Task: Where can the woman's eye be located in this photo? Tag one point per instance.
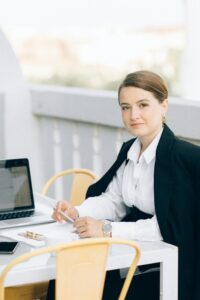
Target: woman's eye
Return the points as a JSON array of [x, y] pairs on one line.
[[143, 105], [125, 107]]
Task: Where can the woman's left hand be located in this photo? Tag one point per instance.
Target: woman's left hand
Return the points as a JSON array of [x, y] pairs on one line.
[[88, 227]]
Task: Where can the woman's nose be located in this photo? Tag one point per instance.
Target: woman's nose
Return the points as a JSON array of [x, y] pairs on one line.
[[134, 114]]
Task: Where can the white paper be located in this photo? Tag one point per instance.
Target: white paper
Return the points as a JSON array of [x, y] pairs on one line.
[[62, 231]]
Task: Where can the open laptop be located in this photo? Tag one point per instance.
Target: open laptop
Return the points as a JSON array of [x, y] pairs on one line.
[[17, 207]]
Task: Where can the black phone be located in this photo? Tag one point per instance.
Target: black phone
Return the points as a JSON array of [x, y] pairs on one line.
[[8, 247]]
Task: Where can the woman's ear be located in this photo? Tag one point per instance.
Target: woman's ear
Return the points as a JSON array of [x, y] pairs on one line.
[[165, 105]]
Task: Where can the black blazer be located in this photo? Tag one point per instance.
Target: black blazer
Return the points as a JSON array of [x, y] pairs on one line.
[[177, 203]]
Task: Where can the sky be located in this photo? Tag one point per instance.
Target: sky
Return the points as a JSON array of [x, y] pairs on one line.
[[44, 14]]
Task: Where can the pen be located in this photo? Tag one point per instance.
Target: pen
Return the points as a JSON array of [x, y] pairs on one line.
[[64, 215]]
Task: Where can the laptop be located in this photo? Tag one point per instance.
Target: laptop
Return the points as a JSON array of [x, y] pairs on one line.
[[17, 206]]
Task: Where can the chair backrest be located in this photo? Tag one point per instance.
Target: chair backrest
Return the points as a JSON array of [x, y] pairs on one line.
[[82, 179], [80, 268]]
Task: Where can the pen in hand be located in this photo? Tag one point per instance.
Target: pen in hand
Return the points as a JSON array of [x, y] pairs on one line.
[[66, 217]]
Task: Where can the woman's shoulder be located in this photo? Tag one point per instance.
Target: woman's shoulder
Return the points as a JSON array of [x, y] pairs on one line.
[[187, 152], [183, 145], [179, 145], [126, 145]]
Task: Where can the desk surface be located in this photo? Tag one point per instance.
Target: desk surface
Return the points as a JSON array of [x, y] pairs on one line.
[[43, 268]]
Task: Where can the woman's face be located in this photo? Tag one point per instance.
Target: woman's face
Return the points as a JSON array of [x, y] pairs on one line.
[[142, 113]]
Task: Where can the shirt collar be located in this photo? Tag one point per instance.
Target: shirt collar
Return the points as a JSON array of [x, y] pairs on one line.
[[148, 155]]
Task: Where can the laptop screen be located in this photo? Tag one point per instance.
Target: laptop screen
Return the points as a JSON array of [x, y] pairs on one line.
[[15, 185]]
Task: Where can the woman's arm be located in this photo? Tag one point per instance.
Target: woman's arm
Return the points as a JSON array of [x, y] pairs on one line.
[[142, 230], [108, 205]]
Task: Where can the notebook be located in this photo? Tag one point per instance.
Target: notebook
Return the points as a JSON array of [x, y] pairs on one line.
[[17, 206]]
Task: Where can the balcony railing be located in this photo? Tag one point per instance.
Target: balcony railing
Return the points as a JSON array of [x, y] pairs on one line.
[[83, 128]]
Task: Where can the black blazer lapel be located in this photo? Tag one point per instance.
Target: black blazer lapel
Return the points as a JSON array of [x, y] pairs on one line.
[[100, 186], [163, 180]]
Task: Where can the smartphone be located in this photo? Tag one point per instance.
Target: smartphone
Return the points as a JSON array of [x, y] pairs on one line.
[[8, 247]]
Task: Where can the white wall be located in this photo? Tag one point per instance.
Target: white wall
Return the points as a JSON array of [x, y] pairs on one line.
[[20, 127], [191, 60]]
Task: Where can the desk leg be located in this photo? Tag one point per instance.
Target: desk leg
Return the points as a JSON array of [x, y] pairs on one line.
[[169, 277]]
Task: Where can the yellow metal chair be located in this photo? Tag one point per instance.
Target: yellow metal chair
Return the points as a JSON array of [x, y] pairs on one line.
[[82, 179], [80, 268]]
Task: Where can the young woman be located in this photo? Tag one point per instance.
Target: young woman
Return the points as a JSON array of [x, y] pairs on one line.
[[151, 192]]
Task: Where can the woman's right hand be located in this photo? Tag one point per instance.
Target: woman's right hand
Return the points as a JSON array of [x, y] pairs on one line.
[[66, 208]]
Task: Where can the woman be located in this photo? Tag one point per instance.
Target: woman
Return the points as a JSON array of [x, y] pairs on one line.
[[153, 185]]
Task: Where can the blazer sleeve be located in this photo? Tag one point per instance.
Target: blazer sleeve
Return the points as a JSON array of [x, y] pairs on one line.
[[197, 228]]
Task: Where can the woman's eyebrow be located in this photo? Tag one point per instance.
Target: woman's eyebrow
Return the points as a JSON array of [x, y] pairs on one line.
[[124, 103], [127, 103], [141, 100]]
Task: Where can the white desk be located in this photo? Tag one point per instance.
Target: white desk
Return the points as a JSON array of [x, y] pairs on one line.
[[43, 269]]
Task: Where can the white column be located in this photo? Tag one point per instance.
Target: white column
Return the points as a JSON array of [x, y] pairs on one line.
[[191, 58], [20, 127]]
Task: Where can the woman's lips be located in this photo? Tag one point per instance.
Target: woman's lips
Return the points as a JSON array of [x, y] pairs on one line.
[[136, 124]]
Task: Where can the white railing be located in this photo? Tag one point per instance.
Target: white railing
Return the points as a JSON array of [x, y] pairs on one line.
[[83, 128], [78, 128]]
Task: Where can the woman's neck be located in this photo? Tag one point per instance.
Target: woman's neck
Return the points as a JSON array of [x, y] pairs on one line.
[[146, 141]]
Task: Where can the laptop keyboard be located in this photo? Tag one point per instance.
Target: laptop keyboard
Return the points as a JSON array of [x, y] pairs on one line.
[[15, 215]]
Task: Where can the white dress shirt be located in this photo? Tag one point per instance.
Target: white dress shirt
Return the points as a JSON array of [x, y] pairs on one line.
[[132, 185]]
